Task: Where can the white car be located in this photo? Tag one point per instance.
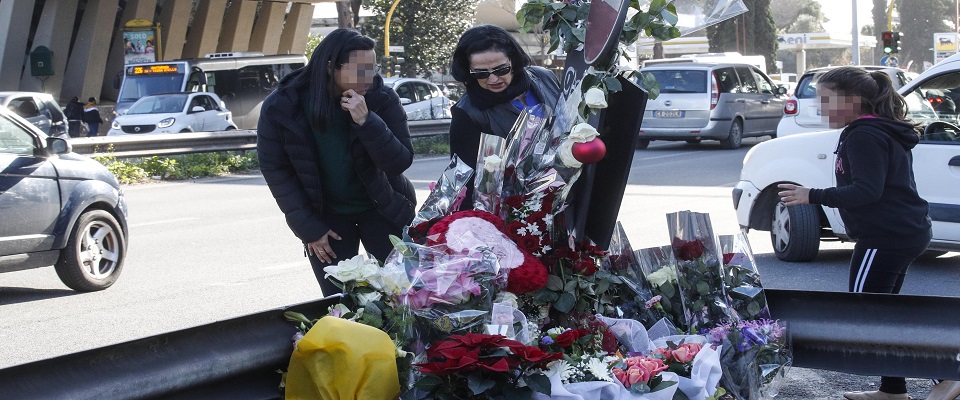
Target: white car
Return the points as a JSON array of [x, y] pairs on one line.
[[801, 112], [421, 99], [174, 113], [808, 160]]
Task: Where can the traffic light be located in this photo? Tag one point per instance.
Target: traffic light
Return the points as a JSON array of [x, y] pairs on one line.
[[895, 43], [887, 38]]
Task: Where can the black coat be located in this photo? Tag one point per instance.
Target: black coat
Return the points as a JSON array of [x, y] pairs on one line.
[[380, 148]]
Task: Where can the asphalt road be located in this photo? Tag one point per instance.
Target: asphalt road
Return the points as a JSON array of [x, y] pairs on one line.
[[213, 249]]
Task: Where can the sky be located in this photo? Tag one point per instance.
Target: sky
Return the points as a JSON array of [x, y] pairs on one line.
[[840, 13]]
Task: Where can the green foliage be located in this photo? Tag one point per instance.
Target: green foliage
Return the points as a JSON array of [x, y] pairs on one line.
[[186, 166], [428, 30], [313, 40], [431, 145], [917, 26], [756, 28]]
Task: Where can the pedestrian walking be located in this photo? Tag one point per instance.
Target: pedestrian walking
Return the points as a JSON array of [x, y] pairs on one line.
[[74, 113], [91, 115], [875, 193], [500, 83], [333, 144]]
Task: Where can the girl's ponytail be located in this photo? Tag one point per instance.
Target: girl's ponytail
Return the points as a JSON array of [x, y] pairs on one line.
[[887, 103]]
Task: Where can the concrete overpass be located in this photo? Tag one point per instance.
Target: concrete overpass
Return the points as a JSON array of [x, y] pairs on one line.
[[85, 36]]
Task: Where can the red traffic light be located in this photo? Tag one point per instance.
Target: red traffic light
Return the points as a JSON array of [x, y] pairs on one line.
[[886, 35]]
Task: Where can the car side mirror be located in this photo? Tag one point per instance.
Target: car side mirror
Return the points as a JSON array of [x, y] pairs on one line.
[[404, 101], [197, 109], [57, 145], [781, 90]]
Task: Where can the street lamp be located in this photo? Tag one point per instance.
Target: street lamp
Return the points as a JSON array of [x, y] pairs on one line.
[[386, 32]]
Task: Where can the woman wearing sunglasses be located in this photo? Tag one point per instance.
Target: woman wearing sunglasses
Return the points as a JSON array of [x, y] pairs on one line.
[[500, 83], [333, 144]]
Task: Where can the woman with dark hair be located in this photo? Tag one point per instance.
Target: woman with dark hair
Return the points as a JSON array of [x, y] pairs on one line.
[[500, 83], [876, 193], [333, 145]]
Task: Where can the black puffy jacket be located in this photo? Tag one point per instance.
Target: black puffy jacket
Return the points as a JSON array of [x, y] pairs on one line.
[[381, 152]]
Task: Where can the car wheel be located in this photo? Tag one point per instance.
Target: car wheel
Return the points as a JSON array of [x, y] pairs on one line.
[[94, 254], [230, 128], [736, 135], [795, 232], [184, 131], [694, 141], [643, 143]]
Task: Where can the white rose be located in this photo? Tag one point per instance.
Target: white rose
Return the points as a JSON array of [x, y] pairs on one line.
[[492, 163], [595, 98], [365, 298], [356, 269], [565, 152], [582, 133], [395, 280], [661, 276]]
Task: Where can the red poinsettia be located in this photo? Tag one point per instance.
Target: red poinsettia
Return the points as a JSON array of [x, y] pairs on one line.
[[473, 351]]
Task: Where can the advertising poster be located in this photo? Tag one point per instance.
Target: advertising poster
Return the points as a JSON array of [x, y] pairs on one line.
[[139, 46], [944, 45]]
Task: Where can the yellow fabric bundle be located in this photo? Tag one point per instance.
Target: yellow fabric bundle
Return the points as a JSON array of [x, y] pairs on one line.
[[343, 360]]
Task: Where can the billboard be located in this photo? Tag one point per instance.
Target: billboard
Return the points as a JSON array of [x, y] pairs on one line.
[[944, 45], [139, 46]]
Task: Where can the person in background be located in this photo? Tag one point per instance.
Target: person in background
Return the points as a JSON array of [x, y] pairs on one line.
[[91, 116], [74, 113], [875, 193], [500, 83], [333, 144]]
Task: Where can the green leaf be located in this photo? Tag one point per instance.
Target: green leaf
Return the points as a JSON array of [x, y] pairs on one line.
[[554, 283], [663, 385], [612, 84], [428, 382], [703, 287], [570, 286], [569, 14], [478, 384], [517, 393], [580, 33], [565, 303], [602, 286], [296, 317], [657, 4], [538, 382]]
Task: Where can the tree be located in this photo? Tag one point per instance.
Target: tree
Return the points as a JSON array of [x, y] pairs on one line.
[[918, 24], [880, 22], [755, 32], [428, 30]]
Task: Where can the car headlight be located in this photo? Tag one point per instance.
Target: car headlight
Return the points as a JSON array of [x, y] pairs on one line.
[[115, 125], [166, 122]]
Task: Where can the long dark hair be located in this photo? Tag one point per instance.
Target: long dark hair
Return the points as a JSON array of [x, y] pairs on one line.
[[482, 38], [878, 97], [317, 77]]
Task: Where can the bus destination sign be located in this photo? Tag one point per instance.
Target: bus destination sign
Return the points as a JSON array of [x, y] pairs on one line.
[[153, 69]]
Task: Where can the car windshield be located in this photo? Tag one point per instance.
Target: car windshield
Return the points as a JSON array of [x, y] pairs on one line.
[[159, 104], [680, 81]]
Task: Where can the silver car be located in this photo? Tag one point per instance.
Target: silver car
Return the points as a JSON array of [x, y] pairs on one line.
[[40, 109], [722, 101], [421, 99]]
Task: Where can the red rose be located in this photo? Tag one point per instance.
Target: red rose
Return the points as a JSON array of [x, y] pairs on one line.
[[727, 257], [514, 202], [530, 243], [567, 338], [586, 267], [512, 228], [565, 253], [687, 250]]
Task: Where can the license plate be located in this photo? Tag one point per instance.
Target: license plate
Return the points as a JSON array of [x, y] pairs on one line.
[[668, 114]]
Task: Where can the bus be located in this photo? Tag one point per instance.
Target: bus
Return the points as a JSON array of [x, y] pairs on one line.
[[241, 80]]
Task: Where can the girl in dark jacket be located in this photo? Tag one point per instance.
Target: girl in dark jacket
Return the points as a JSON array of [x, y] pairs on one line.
[[876, 193], [333, 145], [91, 115], [500, 83]]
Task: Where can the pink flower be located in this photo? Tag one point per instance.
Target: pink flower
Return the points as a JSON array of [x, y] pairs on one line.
[[418, 299], [686, 352], [639, 370]]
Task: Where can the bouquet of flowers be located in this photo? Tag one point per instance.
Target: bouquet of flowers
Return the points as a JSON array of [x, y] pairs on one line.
[[642, 377], [755, 356], [444, 198], [699, 270], [695, 362], [578, 283], [741, 278], [660, 272], [489, 177], [632, 297], [483, 366]]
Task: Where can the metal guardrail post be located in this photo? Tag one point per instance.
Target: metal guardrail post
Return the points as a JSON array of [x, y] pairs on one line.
[[867, 334], [167, 144]]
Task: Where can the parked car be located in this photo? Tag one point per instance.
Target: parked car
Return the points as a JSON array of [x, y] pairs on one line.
[[809, 159], [724, 101], [173, 113], [801, 112], [40, 109], [421, 99], [58, 208]]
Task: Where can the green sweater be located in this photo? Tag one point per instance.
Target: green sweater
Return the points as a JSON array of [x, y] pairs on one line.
[[343, 191]]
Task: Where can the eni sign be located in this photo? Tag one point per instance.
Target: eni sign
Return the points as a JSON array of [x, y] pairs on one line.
[[803, 39]]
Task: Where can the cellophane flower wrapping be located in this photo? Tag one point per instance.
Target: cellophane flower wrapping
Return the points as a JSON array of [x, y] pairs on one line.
[[444, 198], [742, 279], [694, 360], [632, 298], [660, 272], [700, 270], [755, 357], [488, 180]]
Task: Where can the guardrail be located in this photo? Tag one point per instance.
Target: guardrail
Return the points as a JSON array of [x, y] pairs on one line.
[[866, 334], [166, 144]]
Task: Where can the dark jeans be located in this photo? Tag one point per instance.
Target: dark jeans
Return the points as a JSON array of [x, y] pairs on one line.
[[74, 127], [94, 127], [369, 228], [874, 270]]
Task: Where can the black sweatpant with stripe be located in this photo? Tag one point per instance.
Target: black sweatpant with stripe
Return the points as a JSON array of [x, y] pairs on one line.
[[881, 270]]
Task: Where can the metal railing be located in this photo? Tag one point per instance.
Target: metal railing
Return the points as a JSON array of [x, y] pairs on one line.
[[166, 144], [859, 333]]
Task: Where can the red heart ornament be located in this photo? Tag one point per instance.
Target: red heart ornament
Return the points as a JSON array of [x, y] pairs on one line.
[[589, 152]]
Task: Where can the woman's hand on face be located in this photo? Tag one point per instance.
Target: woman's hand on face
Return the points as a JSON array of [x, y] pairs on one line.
[[357, 106], [793, 195], [321, 248]]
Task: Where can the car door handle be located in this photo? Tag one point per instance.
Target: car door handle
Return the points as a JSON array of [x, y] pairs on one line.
[[954, 162], [741, 100], [764, 101]]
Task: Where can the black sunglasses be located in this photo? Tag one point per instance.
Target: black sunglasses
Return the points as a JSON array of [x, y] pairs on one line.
[[485, 73]]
